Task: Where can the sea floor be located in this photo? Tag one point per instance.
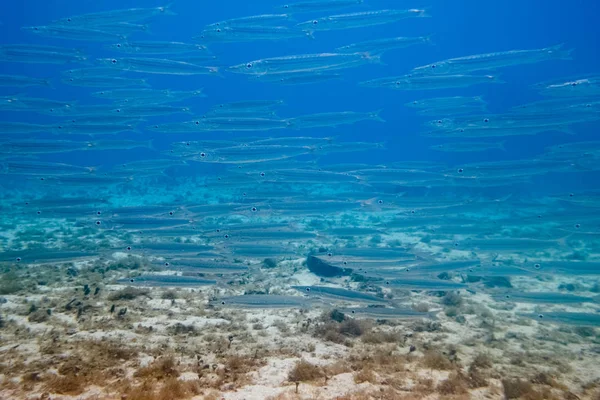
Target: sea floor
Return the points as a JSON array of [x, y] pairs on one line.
[[66, 334]]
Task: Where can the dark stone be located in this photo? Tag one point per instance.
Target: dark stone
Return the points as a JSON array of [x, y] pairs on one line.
[[321, 268], [337, 316]]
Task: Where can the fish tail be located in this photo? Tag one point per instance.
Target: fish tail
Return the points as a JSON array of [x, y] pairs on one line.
[[559, 52], [423, 12], [216, 71], [374, 58], [495, 79], [375, 116], [146, 29], [427, 39], [166, 10]]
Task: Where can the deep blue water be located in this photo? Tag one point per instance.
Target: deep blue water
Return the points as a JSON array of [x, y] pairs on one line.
[[458, 29]]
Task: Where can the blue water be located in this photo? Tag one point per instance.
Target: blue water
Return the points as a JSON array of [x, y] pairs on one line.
[[519, 225]]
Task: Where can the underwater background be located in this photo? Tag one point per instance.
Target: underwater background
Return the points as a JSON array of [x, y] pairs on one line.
[[338, 199]]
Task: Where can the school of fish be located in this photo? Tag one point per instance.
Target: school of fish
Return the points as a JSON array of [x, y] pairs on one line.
[[251, 182]]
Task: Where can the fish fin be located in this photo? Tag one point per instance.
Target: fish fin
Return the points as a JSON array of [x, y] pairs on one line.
[[375, 116], [310, 35]]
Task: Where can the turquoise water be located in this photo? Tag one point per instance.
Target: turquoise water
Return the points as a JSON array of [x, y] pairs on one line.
[[400, 164]]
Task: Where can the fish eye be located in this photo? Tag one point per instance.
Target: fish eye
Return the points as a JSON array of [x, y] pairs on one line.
[[226, 236], [315, 22], [222, 303], [412, 211], [218, 231], [380, 201], [249, 65], [308, 289], [131, 280], [113, 61], [36, 29], [507, 296], [574, 84], [98, 223], [119, 45], [571, 195], [486, 120], [218, 29], [202, 155], [345, 262], [439, 121], [577, 226], [433, 66], [329, 254], [262, 174], [170, 212], [460, 170], [456, 244], [39, 212], [387, 282], [98, 212], [128, 248], [541, 316], [254, 209], [286, 6], [18, 259], [352, 311], [537, 266], [243, 194], [461, 130]]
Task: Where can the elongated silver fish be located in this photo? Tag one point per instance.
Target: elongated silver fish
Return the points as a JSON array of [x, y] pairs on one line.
[[265, 301], [22, 81], [492, 61], [339, 294], [360, 19], [248, 33], [166, 281], [304, 63], [320, 5], [158, 66], [157, 47], [93, 34], [433, 82], [114, 16], [382, 45]]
